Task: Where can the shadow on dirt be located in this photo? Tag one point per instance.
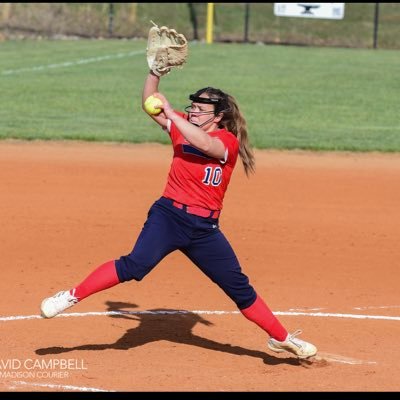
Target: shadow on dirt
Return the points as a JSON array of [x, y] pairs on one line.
[[170, 325]]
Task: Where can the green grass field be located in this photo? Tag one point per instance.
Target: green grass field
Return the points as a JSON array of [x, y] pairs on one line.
[[292, 97]]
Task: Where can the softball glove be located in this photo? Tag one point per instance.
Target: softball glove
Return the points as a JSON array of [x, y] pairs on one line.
[[166, 48]]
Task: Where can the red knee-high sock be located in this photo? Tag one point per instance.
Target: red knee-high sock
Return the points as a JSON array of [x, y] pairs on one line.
[[260, 314], [103, 277]]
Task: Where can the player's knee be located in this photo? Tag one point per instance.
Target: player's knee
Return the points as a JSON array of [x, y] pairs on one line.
[[245, 299], [128, 269], [243, 296]]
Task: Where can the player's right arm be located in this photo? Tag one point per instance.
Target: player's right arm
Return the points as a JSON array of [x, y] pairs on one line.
[[150, 87], [197, 137]]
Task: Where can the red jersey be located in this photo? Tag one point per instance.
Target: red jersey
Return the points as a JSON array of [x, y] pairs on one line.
[[196, 179]]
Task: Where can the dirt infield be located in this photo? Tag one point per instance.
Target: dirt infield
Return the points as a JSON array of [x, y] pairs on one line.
[[318, 235]]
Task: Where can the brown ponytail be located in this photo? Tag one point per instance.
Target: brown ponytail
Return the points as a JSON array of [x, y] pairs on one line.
[[234, 122]]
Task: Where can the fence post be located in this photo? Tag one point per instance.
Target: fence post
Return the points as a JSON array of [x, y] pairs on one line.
[[193, 19], [5, 12], [110, 18], [246, 22], [376, 21], [210, 23]]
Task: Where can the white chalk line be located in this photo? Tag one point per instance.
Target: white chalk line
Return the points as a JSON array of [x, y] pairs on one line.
[[54, 386], [215, 312], [72, 63], [375, 307], [354, 308], [336, 315], [341, 359]]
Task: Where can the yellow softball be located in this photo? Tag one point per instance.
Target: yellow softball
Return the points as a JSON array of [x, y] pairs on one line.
[[150, 103]]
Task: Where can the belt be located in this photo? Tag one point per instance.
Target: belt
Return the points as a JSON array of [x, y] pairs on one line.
[[200, 212]]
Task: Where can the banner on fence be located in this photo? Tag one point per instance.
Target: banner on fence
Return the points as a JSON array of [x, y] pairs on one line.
[[310, 10]]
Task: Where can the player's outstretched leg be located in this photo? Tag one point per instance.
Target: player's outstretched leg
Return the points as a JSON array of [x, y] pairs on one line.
[[280, 340], [103, 277]]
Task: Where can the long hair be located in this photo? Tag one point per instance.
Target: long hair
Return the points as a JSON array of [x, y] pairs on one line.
[[233, 121]]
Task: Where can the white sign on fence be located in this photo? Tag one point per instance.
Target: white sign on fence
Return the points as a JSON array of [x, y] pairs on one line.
[[310, 10]]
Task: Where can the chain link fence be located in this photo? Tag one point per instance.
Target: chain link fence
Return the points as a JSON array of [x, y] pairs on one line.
[[361, 27]]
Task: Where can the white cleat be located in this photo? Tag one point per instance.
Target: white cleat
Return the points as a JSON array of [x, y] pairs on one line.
[[298, 347], [51, 306]]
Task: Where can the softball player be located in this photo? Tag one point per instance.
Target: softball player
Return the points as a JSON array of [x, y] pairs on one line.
[[206, 142]]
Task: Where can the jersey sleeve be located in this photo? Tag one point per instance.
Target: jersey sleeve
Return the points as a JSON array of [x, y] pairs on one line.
[[171, 128], [228, 139], [231, 146]]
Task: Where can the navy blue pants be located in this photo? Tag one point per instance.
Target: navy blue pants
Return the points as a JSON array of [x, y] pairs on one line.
[[168, 229]]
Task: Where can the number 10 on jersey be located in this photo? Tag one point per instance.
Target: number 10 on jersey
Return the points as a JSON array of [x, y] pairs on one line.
[[212, 176]]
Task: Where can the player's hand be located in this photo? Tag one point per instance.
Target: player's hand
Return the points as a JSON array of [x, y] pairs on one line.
[[165, 106]]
